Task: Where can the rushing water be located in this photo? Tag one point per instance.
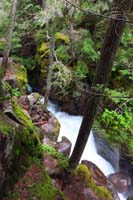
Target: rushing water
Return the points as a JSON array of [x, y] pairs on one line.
[[69, 127]]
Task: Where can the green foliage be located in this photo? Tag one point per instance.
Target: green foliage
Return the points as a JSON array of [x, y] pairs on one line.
[[40, 36], [99, 6], [16, 42], [126, 40], [87, 49], [123, 60], [28, 62], [43, 189], [81, 70], [4, 13], [16, 92], [62, 159], [116, 95], [62, 53], [62, 76], [118, 126]]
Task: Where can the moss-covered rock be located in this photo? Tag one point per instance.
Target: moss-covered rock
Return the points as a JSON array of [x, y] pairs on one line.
[[19, 143], [35, 183], [16, 75], [84, 175], [62, 37]]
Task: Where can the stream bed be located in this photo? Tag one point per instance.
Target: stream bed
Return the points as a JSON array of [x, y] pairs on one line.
[[70, 125]]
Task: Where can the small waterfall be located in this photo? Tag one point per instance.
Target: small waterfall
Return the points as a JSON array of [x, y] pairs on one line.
[[69, 127]]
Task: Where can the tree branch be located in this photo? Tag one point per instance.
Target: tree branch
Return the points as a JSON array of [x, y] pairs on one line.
[[97, 14]]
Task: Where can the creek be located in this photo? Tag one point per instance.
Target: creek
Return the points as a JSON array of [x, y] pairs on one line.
[[70, 125]]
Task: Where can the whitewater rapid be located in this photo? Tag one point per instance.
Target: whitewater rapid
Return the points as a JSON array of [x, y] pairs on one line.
[[70, 125]]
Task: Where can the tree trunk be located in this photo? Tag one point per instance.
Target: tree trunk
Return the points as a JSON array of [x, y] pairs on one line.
[[9, 35], [103, 71], [44, 4], [50, 67]]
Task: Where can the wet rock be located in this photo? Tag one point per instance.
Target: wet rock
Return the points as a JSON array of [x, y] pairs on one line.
[[49, 142], [82, 186], [130, 198], [51, 165], [71, 105], [106, 151], [97, 174], [51, 128], [121, 181], [64, 146], [75, 190], [99, 178], [33, 98]]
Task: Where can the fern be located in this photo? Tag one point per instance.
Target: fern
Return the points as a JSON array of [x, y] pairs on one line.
[[88, 49]]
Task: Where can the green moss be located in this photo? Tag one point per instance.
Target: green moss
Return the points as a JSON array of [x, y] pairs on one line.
[[43, 47], [21, 74], [85, 175], [5, 128], [83, 172], [44, 189], [21, 115], [62, 37], [103, 193], [27, 136], [62, 160]]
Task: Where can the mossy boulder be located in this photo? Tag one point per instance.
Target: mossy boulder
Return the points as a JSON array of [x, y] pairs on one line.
[[82, 186], [16, 75], [35, 184], [62, 37], [19, 143]]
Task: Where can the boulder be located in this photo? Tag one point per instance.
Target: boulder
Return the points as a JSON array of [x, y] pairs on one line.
[[16, 75], [42, 118], [107, 152], [51, 128], [82, 186], [130, 198], [18, 142], [34, 184], [64, 146], [121, 181], [98, 176], [7, 128], [47, 141], [51, 165], [100, 179]]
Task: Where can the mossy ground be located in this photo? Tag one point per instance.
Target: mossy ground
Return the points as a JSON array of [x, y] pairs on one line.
[[34, 184]]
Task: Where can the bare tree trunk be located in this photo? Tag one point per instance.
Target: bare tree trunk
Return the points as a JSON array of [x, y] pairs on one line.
[[9, 35], [51, 61], [70, 27], [44, 4], [103, 71]]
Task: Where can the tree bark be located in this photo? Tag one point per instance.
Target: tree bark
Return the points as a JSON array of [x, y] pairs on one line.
[[9, 35], [50, 69], [103, 71]]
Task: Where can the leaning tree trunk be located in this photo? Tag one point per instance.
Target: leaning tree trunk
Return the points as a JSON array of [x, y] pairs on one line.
[[103, 71], [9, 35]]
